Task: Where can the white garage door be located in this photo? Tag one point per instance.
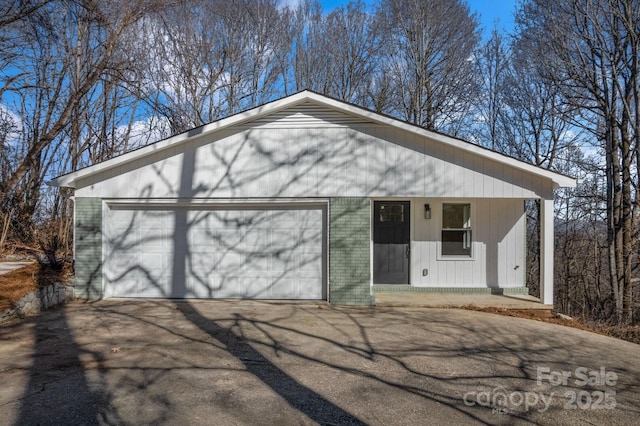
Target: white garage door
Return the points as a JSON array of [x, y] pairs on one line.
[[253, 252]]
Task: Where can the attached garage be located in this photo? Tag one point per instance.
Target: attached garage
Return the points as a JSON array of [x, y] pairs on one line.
[[307, 198], [224, 250]]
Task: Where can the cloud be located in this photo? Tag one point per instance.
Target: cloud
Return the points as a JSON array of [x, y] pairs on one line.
[[291, 4], [144, 132], [10, 126]]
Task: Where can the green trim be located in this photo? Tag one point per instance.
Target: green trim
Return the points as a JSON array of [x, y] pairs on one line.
[[88, 248], [386, 288], [350, 251]]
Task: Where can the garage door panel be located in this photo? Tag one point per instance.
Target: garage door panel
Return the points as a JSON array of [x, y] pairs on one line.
[[132, 230], [232, 287], [306, 244], [153, 275], [283, 237], [125, 271], [257, 265], [309, 265], [201, 263], [230, 263], [257, 287], [138, 274], [242, 253], [283, 288], [311, 221], [222, 237], [257, 239], [280, 265], [202, 286], [217, 286], [123, 238], [310, 288]]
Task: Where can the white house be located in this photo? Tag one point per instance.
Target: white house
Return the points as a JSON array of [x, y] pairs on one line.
[[307, 197]]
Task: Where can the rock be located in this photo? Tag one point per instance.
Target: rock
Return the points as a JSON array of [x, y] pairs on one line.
[[563, 316], [39, 300]]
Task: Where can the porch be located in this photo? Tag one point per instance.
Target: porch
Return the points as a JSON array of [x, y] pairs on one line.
[[447, 299]]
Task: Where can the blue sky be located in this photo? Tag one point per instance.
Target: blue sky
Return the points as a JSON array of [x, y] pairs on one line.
[[489, 11]]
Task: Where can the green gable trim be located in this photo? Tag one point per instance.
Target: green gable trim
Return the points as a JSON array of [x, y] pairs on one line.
[[88, 248], [350, 251]]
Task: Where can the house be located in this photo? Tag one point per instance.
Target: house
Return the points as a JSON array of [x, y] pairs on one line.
[[307, 198]]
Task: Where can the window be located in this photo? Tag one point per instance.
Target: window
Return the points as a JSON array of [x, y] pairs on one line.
[[391, 213], [456, 229]]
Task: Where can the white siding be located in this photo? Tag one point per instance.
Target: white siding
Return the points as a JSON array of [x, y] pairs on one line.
[[498, 233], [310, 153], [307, 114]]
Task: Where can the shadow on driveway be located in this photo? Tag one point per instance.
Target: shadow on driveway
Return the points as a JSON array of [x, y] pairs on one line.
[[116, 361], [310, 403]]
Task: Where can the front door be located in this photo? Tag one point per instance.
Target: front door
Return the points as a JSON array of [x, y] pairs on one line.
[[391, 235]]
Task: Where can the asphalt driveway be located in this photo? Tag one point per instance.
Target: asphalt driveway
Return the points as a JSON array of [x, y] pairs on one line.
[[219, 362]]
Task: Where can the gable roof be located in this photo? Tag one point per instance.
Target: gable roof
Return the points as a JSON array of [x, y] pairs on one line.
[[69, 180]]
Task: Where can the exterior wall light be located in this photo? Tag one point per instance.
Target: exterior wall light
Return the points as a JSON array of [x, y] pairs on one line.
[[427, 211]]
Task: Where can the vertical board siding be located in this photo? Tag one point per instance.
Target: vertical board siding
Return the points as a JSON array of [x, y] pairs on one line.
[[498, 231], [88, 248], [323, 156]]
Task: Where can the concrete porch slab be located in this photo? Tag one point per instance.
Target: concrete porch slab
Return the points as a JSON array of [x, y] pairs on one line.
[[454, 300]]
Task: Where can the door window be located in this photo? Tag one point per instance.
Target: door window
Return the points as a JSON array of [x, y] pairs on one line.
[[391, 213]]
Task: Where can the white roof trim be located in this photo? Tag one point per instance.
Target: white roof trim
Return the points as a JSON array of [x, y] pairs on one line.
[[69, 180]]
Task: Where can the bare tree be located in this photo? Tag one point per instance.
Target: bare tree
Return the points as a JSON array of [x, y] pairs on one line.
[[62, 85], [208, 59], [590, 50], [492, 63], [102, 23], [352, 47], [184, 65], [308, 57], [429, 57], [583, 288], [536, 122], [12, 11]]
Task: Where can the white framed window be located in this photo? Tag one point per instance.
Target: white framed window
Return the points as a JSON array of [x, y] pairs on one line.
[[456, 230]]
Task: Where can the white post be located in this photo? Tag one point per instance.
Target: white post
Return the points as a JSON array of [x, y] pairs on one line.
[[546, 251]]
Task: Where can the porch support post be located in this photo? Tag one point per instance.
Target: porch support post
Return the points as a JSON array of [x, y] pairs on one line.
[[546, 251]]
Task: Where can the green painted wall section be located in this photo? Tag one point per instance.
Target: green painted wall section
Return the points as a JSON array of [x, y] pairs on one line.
[[88, 248], [350, 251]]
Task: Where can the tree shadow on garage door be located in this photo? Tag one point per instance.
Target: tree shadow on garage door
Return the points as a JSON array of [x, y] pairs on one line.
[[253, 252]]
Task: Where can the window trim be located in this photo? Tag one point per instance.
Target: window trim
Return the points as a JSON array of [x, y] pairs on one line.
[[472, 222]]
